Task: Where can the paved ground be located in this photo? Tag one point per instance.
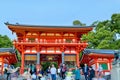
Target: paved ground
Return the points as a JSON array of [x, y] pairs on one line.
[[21, 78], [4, 77]]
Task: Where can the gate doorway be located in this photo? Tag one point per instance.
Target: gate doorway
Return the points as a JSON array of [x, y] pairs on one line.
[[46, 64], [47, 60]]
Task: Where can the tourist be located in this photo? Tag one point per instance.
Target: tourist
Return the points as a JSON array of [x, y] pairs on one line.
[[33, 68], [63, 70], [59, 71], [86, 71], [9, 69], [39, 73], [30, 67], [100, 69], [49, 73], [77, 73], [14, 74], [34, 76], [27, 74], [91, 73], [53, 72], [69, 75]]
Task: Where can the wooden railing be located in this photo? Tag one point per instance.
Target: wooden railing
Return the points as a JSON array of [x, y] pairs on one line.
[[47, 41]]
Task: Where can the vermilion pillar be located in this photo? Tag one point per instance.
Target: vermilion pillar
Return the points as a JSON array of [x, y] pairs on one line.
[[22, 63], [2, 64], [96, 66], [77, 59], [110, 63]]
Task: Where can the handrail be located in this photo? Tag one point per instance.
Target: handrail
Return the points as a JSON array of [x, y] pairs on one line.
[[46, 42]]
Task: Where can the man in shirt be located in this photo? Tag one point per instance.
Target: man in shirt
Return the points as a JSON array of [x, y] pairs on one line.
[[53, 72], [86, 71]]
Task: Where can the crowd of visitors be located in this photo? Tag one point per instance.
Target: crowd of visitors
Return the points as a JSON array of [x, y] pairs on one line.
[[52, 73]]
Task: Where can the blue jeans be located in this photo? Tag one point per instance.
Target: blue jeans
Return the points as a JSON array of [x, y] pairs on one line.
[[53, 76], [86, 76]]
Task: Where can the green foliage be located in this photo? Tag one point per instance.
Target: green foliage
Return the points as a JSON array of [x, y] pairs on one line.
[[5, 42], [102, 37], [78, 23], [18, 64], [80, 55], [115, 20], [18, 55]]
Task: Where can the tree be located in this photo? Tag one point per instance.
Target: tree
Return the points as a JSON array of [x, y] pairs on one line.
[[115, 20], [102, 37], [5, 42], [78, 23]]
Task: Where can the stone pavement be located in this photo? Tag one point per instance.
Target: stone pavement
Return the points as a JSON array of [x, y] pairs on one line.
[[3, 77]]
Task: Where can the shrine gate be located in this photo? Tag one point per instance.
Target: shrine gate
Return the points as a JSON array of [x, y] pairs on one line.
[[7, 56], [38, 43], [97, 57]]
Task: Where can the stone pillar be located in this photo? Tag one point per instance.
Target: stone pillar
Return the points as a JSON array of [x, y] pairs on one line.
[[63, 55], [38, 61], [115, 72], [38, 58]]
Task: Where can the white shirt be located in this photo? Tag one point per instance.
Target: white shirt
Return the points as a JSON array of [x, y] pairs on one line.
[[58, 70], [53, 70], [33, 76]]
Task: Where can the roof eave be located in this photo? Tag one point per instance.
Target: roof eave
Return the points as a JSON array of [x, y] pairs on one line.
[[8, 24]]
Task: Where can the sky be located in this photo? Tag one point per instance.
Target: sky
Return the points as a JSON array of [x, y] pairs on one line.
[[54, 12]]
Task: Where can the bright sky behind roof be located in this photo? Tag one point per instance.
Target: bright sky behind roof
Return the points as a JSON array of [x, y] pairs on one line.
[[54, 12]]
